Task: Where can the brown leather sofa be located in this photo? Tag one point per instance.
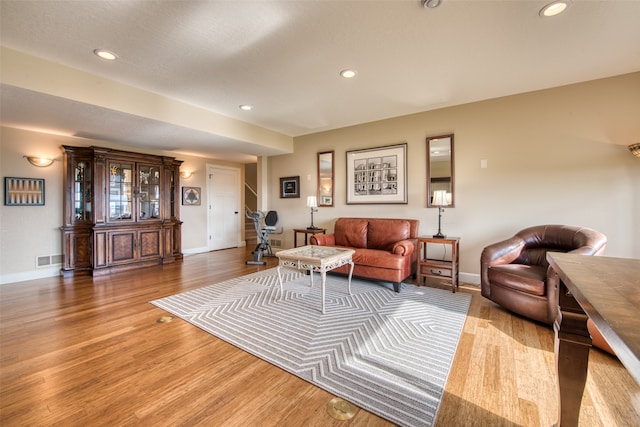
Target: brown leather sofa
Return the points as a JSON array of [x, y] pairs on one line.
[[385, 248], [515, 274]]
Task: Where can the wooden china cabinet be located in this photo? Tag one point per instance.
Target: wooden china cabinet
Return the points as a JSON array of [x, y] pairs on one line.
[[120, 210]]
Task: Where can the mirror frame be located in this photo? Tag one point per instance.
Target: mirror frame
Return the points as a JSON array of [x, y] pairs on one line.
[[429, 190], [320, 193]]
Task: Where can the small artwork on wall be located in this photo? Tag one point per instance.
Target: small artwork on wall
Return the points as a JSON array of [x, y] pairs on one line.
[[23, 191], [191, 196], [290, 187]]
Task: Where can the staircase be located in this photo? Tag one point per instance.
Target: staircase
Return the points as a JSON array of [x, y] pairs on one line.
[[250, 235]]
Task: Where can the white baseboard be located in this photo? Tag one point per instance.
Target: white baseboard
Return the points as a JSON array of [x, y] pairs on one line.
[[472, 279], [194, 251], [40, 273]]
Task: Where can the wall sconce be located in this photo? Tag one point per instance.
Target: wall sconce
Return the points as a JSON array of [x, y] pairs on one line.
[[185, 174], [40, 162], [635, 149], [312, 202]]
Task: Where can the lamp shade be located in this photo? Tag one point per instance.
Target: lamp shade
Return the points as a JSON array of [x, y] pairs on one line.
[[312, 202], [440, 198], [41, 162]]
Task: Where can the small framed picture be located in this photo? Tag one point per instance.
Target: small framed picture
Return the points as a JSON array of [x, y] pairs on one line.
[[23, 191], [191, 196], [290, 187]]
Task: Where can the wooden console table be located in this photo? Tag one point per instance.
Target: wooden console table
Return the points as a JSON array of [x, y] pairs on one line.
[[436, 268], [306, 232], [607, 290]]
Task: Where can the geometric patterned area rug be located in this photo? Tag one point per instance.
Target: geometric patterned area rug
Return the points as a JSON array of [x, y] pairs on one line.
[[389, 353]]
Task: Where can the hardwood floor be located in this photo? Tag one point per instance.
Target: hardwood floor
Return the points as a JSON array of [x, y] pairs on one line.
[[89, 351]]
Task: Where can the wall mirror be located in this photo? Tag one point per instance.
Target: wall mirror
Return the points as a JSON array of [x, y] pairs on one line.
[[325, 178], [440, 171]]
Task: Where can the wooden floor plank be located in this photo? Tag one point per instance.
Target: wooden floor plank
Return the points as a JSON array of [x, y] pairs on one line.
[[89, 351]]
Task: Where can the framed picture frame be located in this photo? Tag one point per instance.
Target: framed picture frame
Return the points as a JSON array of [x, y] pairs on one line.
[[191, 196], [23, 191], [377, 175], [290, 187]]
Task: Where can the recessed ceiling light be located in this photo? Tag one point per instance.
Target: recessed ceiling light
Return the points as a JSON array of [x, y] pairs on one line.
[[554, 8], [105, 54], [348, 74], [245, 107]]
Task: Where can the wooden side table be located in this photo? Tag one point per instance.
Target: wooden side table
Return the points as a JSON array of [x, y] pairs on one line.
[[306, 232], [438, 268]]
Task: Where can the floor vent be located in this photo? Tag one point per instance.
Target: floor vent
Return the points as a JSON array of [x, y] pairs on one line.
[[48, 260]]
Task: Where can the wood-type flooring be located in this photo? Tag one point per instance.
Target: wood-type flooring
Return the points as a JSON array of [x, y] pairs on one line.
[[90, 352]]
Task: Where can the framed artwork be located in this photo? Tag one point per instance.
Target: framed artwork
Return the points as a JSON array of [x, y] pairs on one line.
[[290, 187], [377, 175], [191, 196], [23, 191]]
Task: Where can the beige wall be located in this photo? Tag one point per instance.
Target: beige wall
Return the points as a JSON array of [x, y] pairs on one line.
[[554, 156], [29, 232]]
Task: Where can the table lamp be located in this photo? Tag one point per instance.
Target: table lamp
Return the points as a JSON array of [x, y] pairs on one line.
[[312, 202], [440, 199]]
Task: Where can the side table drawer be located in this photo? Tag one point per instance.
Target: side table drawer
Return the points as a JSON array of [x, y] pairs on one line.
[[426, 270]]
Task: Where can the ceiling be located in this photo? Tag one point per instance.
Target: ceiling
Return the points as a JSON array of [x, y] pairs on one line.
[[284, 59]]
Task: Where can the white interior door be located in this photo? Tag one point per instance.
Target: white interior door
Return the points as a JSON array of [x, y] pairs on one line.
[[224, 213]]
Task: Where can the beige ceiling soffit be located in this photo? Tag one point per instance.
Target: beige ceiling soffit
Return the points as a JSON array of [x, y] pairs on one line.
[[39, 75]]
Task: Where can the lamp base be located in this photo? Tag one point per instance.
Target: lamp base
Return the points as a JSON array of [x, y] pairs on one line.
[[439, 236], [313, 228]]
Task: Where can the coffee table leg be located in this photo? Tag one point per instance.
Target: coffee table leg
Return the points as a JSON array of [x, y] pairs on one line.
[[280, 281], [350, 274], [323, 274]]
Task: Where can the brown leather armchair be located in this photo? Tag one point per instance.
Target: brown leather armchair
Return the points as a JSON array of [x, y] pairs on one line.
[[515, 273]]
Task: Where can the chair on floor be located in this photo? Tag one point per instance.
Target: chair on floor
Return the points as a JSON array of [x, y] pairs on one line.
[[515, 274], [265, 225]]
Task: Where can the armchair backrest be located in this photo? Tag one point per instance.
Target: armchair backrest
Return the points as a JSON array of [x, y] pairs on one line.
[[538, 240]]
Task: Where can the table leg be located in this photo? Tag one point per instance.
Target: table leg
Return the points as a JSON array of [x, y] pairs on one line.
[[454, 267], [572, 343], [323, 274], [280, 281], [310, 273], [350, 274]]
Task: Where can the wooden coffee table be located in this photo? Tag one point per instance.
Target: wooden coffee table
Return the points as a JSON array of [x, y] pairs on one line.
[[315, 258]]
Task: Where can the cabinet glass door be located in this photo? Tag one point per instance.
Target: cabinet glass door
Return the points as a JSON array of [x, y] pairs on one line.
[[172, 194], [149, 192], [82, 190], [120, 191]]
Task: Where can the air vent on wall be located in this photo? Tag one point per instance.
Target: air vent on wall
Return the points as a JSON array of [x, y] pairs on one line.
[[276, 243], [48, 260]]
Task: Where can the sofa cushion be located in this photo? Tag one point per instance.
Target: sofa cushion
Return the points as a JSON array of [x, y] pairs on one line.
[[378, 258], [384, 233], [351, 232], [525, 278]]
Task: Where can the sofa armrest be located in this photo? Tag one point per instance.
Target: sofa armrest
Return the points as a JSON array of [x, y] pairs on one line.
[[323, 239], [403, 247]]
